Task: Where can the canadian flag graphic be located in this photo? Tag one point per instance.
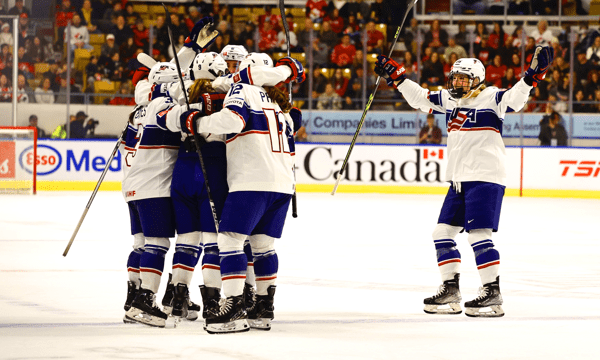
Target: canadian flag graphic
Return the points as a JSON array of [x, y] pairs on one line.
[[433, 153]]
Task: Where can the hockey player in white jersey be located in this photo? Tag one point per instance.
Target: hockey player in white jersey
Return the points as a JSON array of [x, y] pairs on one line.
[[233, 55], [149, 153], [260, 150], [476, 170]]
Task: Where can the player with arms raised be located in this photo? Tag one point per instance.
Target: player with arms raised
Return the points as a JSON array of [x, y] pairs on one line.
[[476, 170]]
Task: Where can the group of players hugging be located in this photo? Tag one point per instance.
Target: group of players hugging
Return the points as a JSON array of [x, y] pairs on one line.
[[213, 160]]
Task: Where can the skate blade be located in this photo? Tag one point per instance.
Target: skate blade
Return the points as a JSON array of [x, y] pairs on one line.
[[229, 327], [260, 324], [451, 309], [127, 320], [494, 311], [141, 317]]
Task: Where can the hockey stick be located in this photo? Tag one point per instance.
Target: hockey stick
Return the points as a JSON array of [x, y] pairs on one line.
[[87, 207], [362, 119], [287, 39], [196, 136]]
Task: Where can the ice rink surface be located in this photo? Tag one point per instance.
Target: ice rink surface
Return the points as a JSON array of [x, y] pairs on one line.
[[354, 270]]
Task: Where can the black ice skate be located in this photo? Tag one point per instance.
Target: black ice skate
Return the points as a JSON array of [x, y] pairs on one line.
[[262, 314], [210, 300], [131, 293], [231, 318], [447, 300], [488, 303], [168, 297], [144, 310], [182, 306], [249, 297]]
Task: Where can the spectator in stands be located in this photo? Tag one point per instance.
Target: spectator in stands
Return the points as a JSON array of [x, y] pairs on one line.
[[64, 13], [5, 89], [125, 97], [343, 54], [24, 28], [320, 53], [161, 34], [6, 59], [436, 38], [542, 35], [246, 37], [269, 17], [340, 82], [497, 37], [304, 34], [93, 71], [319, 82], [79, 37], [328, 37], [357, 7], [515, 64], [353, 96], [509, 80], [553, 133], [410, 65], [374, 39], [380, 12], [329, 100], [108, 49], [453, 47], [426, 54], [122, 31], [44, 94], [448, 65], [25, 63], [544, 7], [582, 67], [268, 38], [578, 105], [227, 33], [33, 122], [216, 46], [433, 70], [19, 9], [472, 5], [110, 16], [6, 37], [336, 21], [560, 65], [495, 72], [77, 129], [483, 52], [38, 51], [131, 16], [462, 38], [359, 59], [25, 93], [88, 17], [141, 34], [193, 17], [430, 133], [114, 68], [128, 50], [593, 52], [353, 23], [411, 33], [316, 10], [517, 37], [593, 83]]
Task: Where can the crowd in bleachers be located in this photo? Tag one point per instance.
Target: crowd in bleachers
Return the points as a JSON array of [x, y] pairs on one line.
[[102, 38]]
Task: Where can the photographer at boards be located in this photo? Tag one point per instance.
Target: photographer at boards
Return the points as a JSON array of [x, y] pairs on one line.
[[79, 130]]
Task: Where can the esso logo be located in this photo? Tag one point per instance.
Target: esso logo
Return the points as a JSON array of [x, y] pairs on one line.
[[48, 159]]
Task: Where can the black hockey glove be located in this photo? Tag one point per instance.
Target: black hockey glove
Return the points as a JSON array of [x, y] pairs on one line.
[[542, 59], [189, 121], [390, 70], [298, 74]]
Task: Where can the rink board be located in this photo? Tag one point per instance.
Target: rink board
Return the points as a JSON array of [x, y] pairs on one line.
[[412, 169]]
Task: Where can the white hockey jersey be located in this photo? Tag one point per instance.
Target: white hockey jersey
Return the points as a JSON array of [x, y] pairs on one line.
[[260, 140], [475, 148], [149, 153]]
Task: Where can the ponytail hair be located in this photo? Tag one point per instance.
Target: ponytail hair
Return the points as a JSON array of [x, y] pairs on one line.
[[279, 97], [200, 86]]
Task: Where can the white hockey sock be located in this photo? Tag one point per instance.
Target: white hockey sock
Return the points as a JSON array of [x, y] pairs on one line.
[[486, 257], [211, 267]]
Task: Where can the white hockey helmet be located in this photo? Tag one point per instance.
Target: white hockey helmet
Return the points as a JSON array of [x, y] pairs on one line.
[[256, 59], [208, 65], [233, 54], [473, 69], [163, 72]]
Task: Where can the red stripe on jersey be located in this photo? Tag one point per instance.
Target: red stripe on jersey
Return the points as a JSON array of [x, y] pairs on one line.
[[488, 265], [154, 271], [482, 129], [250, 264], [233, 277], [250, 76], [240, 116], [448, 262], [158, 147], [133, 270], [246, 133], [183, 267]]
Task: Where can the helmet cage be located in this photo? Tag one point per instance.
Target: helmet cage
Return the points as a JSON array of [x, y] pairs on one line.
[[475, 72]]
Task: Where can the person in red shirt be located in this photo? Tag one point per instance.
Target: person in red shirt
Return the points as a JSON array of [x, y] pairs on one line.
[[374, 39], [336, 21], [316, 10], [497, 37], [140, 34], [495, 72], [343, 53], [268, 38], [483, 52], [340, 82], [274, 20], [516, 66], [64, 13]]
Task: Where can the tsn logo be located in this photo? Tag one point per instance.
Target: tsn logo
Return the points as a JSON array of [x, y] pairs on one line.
[[584, 168]]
